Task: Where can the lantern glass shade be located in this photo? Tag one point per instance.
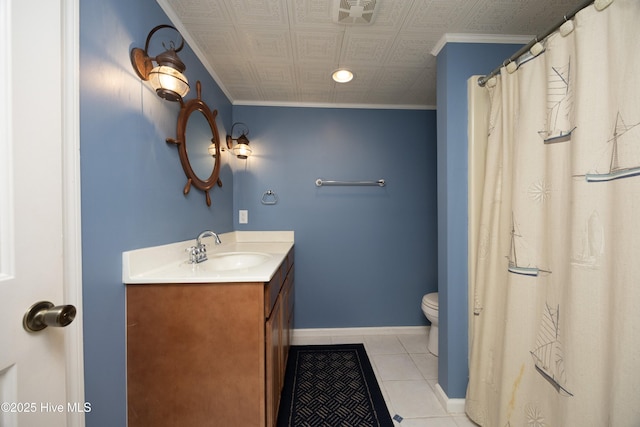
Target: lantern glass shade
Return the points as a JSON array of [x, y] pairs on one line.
[[242, 151], [168, 82]]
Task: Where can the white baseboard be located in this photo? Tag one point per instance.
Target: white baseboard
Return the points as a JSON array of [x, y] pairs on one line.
[[301, 334], [452, 406]]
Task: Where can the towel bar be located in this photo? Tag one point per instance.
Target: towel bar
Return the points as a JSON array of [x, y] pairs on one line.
[[380, 183]]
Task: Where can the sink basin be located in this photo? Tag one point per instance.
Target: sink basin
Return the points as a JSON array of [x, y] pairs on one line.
[[225, 261], [236, 260]]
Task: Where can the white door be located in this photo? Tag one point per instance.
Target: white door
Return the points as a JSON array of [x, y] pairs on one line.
[[40, 372]]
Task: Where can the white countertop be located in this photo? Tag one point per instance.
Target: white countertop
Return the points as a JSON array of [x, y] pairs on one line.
[[169, 263]]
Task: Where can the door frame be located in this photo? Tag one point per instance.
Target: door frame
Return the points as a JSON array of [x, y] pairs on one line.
[[72, 227]]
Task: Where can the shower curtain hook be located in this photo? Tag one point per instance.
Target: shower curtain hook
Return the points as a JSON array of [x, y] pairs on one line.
[[567, 27], [512, 66]]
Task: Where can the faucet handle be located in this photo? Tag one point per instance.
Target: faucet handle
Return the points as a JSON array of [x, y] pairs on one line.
[[201, 253], [193, 254], [197, 253]]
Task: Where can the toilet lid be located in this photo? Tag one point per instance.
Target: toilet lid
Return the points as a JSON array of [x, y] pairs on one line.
[[431, 300]]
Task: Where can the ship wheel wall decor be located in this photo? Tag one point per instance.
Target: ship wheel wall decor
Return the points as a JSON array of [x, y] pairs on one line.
[[198, 145]]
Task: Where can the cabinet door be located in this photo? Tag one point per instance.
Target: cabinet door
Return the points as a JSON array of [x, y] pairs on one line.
[[195, 355], [274, 361], [287, 317]]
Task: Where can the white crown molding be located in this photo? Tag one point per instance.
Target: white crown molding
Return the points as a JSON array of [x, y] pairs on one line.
[[331, 105], [479, 38]]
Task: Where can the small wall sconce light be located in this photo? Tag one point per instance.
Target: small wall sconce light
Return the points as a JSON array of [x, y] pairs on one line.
[[166, 77], [241, 149], [212, 149]]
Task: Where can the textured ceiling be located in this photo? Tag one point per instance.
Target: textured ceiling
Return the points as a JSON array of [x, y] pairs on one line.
[[282, 52]]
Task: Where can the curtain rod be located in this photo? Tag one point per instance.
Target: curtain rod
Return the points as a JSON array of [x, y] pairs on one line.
[[483, 80]]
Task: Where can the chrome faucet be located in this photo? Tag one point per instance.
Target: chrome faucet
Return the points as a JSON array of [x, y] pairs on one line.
[[198, 253], [207, 233]]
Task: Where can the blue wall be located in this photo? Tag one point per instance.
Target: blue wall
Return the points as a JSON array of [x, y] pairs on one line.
[[456, 63], [364, 255], [132, 182]]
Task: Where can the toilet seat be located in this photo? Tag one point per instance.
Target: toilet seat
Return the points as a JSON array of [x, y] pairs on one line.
[[430, 300]]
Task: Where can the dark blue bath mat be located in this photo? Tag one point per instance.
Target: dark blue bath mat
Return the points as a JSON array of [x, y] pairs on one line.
[[331, 386]]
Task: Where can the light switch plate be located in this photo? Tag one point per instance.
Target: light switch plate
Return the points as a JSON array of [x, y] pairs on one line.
[[243, 216]]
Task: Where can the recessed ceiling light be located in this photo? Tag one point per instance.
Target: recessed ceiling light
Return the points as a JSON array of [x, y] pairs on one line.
[[342, 75]]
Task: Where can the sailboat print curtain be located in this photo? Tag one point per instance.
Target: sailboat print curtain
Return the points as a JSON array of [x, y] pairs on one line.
[[556, 301]]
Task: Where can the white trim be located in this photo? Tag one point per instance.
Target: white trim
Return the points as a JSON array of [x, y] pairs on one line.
[[331, 105], [344, 332], [479, 38], [70, 20], [452, 406], [7, 250]]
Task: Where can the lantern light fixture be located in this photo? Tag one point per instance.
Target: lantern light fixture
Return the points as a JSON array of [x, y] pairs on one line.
[[241, 149], [167, 76]]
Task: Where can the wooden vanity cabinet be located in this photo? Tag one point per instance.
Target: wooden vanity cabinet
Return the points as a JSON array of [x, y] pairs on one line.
[[208, 354]]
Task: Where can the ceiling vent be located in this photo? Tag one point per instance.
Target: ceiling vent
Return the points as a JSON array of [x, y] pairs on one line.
[[360, 12]]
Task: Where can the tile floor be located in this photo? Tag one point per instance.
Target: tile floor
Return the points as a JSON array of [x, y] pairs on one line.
[[407, 374]]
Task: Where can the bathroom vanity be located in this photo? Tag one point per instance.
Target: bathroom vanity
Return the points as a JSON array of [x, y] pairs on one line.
[[207, 343]]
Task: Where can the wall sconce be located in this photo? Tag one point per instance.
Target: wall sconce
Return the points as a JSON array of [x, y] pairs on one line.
[[166, 77], [212, 149], [241, 149]]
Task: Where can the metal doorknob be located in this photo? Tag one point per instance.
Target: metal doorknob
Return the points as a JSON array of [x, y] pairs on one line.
[[43, 314]]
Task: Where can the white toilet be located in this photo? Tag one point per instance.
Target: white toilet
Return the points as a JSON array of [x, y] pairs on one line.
[[430, 310]]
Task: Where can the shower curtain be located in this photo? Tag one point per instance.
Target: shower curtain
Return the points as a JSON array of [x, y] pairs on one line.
[[555, 308]]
